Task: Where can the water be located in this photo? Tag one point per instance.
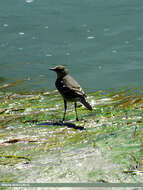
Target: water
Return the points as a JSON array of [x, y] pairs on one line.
[[100, 41]]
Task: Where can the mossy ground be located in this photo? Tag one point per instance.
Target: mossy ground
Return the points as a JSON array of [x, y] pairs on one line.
[[106, 145]]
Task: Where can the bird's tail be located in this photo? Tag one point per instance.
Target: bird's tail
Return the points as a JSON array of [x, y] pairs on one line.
[[85, 103]]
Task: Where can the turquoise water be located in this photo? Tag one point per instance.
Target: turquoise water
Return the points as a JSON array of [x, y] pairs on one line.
[[100, 41]]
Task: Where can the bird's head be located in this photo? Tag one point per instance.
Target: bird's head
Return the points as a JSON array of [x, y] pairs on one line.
[[60, 70]]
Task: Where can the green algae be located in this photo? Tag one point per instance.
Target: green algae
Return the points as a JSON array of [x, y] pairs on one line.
[[113, 131]]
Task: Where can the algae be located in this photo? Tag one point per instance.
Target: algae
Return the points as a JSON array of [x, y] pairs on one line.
[[105, 145]]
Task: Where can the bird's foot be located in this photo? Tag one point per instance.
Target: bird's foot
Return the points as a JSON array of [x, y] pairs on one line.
[[61, 121], [77, 119]]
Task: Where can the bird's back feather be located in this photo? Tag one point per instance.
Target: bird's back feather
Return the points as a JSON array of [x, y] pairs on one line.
[[73, 85]]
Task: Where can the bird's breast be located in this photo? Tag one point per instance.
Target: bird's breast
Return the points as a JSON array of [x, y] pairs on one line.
[[60, 85]]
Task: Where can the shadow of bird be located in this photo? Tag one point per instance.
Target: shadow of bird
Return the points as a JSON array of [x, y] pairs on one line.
[[60, 123]]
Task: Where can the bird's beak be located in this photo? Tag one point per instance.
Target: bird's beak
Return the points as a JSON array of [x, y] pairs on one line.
[[52, 69]]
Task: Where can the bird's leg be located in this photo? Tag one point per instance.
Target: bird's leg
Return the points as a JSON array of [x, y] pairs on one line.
[[75, 106], [65, 108]]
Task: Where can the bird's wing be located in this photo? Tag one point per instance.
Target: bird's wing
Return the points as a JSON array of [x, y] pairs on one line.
[[70, 83]]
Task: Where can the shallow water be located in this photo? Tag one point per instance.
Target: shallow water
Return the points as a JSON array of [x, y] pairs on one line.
[[101, 42]]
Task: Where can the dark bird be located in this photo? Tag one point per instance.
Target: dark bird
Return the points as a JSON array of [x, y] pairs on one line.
[[69, 89]]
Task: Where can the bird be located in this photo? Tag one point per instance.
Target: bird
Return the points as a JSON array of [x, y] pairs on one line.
[[70, 90]]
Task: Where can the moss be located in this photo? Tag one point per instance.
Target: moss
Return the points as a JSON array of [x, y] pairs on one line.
[[114, 125], [96, 174]]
